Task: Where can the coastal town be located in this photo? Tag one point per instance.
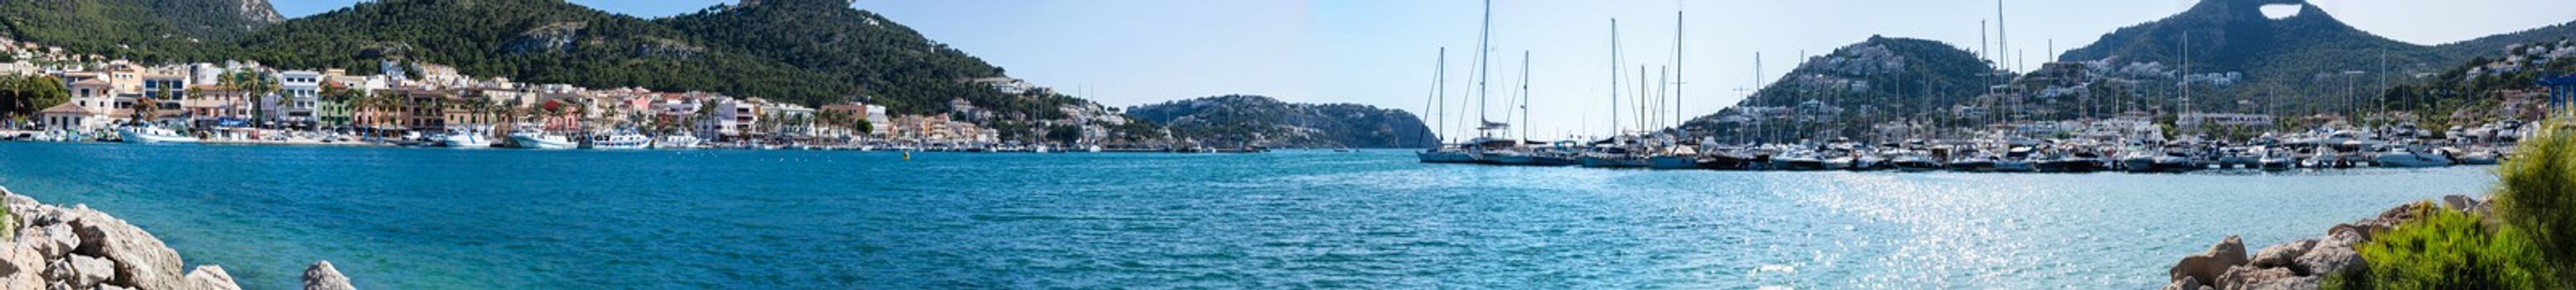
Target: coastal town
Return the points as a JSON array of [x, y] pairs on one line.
[[421, 104]]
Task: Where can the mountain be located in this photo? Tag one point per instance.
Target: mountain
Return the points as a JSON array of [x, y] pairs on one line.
[[893, 64], [1879, 79], [2301, 63], [150, 30], [1259, 120]]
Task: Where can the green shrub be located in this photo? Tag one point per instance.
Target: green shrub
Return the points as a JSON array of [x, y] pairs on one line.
[[2538, 188], [2448, 249]]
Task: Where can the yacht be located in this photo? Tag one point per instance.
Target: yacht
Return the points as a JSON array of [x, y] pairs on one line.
[[2138, 160], [1680, 157], [2408, 157], [621, 140], [2017, 159], [151, 135], [2477, 157], [1915, 161], [2275, 159], [678, 141], [464, 138], [541, 140], [1605, 156], [2176, 161], [1446, 154], [1727, 159]]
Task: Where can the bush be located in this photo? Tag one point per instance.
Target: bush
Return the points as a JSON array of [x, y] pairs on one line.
[[2448, 249], [2538, 187]]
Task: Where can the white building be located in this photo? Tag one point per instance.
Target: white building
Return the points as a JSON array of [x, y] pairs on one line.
[[298, 92], [731, 117]]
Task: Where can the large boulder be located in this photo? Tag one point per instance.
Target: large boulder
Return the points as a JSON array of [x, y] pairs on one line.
[[142, 261], [321, 276], [210, 277], [53, 240], [88, 271], [2284, 255], [2334, 253], [2244, 277], [2207, 266], [21, 267], [2185, 283]]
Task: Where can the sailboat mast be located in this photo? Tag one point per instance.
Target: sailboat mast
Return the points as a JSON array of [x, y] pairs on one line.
[[1430, 103], [1484, 71], [1615, 128], [1524, 96], [1679, 117], [1440, 86]]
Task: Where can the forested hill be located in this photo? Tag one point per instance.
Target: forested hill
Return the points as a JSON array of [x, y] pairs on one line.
[[1258, 120], [151, 30], [1882, 77], [531, 41], [893, 64], [804, 51]]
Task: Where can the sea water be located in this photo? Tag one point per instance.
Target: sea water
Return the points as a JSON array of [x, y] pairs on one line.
[[419, 218]]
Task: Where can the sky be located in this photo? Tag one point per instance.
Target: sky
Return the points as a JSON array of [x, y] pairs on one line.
[[1384, 53]]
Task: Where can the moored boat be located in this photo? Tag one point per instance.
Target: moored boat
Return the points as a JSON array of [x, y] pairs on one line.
[[541, 140], [152, 135]]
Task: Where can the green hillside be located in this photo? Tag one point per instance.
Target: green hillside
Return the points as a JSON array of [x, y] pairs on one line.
[[534, 41], [895, 65], [1258, 120], [1877, 80]]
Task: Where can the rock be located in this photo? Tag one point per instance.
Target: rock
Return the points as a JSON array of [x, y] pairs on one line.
[[141, 260], [2283, 255], [2459, 202], [21, 267], [2184, 283], [321, 276], [59, 271], [210, 277], [2244, 277], [53, 241], [2333, 253], [113, 287], [2227, 253], [89, 271]]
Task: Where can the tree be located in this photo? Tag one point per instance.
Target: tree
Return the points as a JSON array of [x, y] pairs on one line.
[[1064, 134], [258, 86]]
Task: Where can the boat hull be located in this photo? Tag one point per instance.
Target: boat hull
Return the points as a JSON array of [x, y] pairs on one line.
[[1445, 157], [138, 137], [1672, 162], [535, 142], [1612, 162]]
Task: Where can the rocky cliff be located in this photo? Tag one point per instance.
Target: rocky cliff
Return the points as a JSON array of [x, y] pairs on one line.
[[54, 247]]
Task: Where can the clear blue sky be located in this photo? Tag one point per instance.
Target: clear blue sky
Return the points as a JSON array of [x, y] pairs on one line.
[[1128, 52]]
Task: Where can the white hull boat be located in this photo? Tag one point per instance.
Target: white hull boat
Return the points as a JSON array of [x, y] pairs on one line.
[[542, 141], [147, 135]]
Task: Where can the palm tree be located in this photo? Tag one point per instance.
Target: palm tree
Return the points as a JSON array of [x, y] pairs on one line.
[[257, 86]]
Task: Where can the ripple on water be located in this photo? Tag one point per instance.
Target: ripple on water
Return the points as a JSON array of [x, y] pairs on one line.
[[510, 219]]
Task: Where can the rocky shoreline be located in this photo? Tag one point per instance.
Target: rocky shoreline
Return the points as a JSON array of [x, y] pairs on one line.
[[77, 248], [2298, 264]]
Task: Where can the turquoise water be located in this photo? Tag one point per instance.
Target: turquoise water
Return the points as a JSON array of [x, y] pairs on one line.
[[513, 219]]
